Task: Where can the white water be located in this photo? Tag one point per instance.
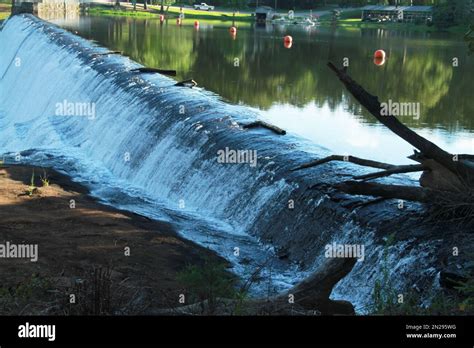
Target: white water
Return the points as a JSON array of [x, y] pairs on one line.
[[151, 148], [138, 152]]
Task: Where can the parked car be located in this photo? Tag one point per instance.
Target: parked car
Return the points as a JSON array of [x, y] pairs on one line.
[[203, 7]]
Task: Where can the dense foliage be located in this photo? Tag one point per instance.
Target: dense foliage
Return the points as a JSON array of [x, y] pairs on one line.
[[454, 12]]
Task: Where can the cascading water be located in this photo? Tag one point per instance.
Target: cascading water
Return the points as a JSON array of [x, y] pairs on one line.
[[142, 144]]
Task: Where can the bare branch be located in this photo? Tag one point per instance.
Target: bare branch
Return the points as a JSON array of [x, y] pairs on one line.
[[351, 159], [429, 149], [396, 170], [155, 71]]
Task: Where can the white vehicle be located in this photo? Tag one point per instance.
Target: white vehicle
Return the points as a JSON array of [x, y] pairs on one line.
[[204, 7]]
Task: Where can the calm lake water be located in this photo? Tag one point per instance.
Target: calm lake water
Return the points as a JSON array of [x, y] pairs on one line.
[[294, 89]]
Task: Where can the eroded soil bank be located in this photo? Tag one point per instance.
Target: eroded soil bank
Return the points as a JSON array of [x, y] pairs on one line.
[[82, 250]]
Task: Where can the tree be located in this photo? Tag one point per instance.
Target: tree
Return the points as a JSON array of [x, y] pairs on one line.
[[447, 181], [451, 13]]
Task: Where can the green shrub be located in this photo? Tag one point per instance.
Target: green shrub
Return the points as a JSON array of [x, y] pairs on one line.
[[210, 282]]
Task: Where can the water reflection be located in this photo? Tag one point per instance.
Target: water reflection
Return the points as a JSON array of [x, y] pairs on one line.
[[294, 88]]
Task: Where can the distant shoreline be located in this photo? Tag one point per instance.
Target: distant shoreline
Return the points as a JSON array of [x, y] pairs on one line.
[[173, 13]]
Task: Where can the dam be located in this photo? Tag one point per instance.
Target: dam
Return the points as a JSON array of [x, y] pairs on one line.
[[152, 148], [49, 8]]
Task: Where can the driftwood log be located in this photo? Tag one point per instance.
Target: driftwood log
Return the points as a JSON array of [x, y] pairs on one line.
[[155, 71], [263, 124], [310, 297], [107, 53]]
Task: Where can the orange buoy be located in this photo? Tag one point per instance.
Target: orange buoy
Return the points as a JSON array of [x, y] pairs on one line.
[[379, 61], [196, 24], [162, 18], [288, 39], [288, 44], [233, 30], [380, 54]]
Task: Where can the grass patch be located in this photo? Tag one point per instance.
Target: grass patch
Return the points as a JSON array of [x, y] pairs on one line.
[[173, 12], [5, 9], [216, 23], [196, 14], [44, 179], [15, 300], [358, 23], [355, 14], [354, 19], [32, 189], [125, 12]]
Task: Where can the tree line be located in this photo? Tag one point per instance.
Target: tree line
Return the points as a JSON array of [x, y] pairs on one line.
[[314, 4], [447, 13]]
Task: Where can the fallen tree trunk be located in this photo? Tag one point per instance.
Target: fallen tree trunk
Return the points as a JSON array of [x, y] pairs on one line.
[[409, 193], [447, 180], [457, 166], [313, 292], [310, 297]]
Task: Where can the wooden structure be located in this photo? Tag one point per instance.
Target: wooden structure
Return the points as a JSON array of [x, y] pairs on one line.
[[405, 14], [263, 14], [40, 7]]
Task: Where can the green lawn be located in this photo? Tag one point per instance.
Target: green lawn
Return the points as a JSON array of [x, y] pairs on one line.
[[352, 19], [190, 13], [352, 22], [4, 10], [153, 11]]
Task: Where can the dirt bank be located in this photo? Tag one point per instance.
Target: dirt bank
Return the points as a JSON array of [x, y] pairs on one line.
[[82, 250]]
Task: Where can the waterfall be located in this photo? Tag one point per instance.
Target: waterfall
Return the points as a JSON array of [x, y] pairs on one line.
[[142, 143]]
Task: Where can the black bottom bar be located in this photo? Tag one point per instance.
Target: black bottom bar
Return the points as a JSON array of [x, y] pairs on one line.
[[429, 331]]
